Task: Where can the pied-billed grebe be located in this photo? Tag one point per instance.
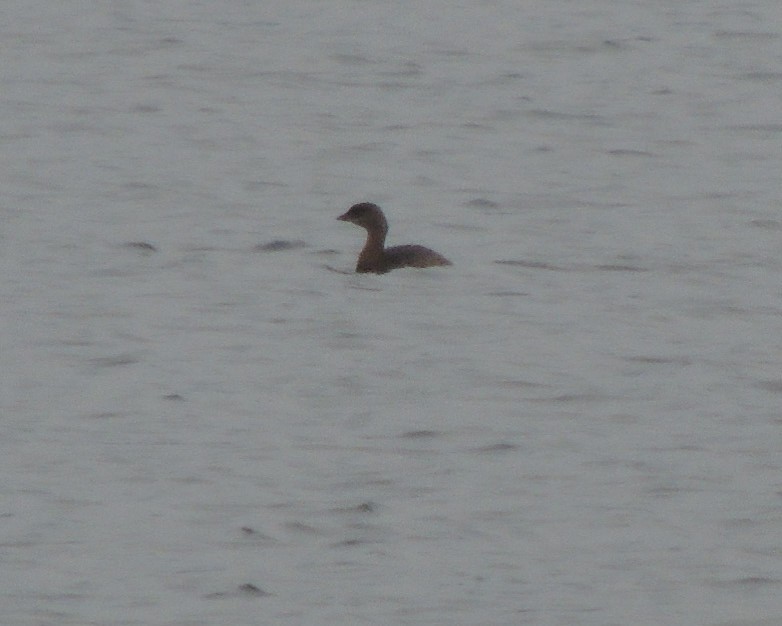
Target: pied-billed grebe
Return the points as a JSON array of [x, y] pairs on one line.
[[374, 257]]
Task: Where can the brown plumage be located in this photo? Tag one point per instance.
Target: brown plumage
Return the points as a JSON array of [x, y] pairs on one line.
[[375, 257]]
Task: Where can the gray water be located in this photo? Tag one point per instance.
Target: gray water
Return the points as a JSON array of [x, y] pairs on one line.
[[577, 423]]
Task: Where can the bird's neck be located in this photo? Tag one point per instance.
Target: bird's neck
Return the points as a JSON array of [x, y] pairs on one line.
[[373, 249]]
